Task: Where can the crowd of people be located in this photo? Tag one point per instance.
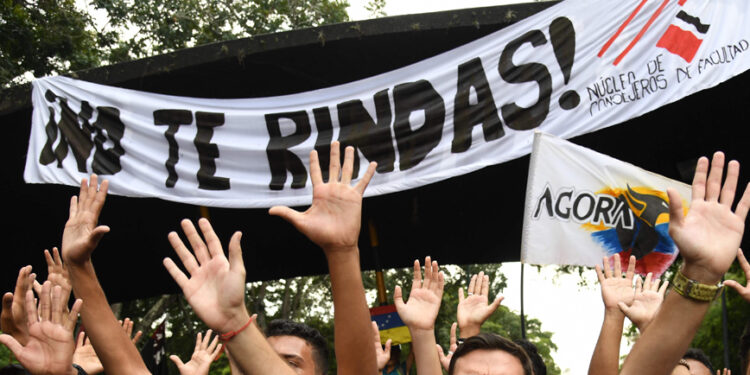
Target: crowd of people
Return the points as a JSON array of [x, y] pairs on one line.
[[38, 322]]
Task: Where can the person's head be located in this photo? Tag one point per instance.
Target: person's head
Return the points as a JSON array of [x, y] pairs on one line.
[[302, 346], [13, 369], [490, 354], [539, 367], [699, 362]]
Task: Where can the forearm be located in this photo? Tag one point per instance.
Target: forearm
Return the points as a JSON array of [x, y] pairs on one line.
[[115, 350], [425, 355], [605, 360], [468, 330], [252, 354], [354, 353], [668, 336]]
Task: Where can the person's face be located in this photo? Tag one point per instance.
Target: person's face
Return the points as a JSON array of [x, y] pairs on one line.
[[296, 352], [697, 368], [488, 362]]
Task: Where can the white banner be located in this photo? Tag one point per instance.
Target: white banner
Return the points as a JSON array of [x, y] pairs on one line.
[[574, 68], [582, 205]]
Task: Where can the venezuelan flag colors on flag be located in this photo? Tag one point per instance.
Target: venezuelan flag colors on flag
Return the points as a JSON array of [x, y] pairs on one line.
[[390, 325]]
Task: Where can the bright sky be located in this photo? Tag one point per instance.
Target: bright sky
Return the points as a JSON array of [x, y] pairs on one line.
[[574, 313]]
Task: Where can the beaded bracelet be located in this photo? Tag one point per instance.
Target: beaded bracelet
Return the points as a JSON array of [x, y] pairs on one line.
[[228, 336]]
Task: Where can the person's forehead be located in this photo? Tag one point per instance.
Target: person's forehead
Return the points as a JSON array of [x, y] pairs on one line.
[[488, 362], [697, 367], [291, 345]]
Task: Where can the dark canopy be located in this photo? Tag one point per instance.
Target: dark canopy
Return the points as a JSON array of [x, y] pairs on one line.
[[475, 218]]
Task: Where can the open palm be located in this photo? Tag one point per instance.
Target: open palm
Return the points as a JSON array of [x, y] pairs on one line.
[[475, 308], [81, 234], [422, 308], [615, 288]]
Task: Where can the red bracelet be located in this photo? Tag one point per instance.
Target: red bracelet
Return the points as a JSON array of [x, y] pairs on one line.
[[228, 336]]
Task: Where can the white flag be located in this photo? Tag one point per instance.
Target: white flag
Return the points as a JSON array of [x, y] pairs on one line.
[[582, 205]]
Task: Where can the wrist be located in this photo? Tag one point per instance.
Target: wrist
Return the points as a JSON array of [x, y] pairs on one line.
[[238, 320], [468, 330], [700, 274]]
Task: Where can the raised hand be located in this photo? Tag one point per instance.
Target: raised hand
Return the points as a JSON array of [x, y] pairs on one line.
[[615, 288], [51, 345], [744, 291], [81, 234], [474, 309], [216, 287], [127, 327], [333, 220], [445, 359], [648, 298], [85, 356], [709, 236], [13, 319], [422, 308], [725, 372], [382, 355], [205, 352]]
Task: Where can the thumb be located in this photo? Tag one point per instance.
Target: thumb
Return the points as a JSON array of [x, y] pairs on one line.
[[676, 214], [496, 303], [730, 283], [398, 298], [177, 361], [12, 344], [388, 347], [624, 308], [98, 233], [440, 352], [8, 301], [286, 213], [235, 253]]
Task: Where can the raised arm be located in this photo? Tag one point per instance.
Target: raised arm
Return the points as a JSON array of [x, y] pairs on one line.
[[615, 290], [708, 239], [420, 312], [475, 308], [648, 299], [216, 292], [204, 353], [50, 346], [80, 237], [333, 223]]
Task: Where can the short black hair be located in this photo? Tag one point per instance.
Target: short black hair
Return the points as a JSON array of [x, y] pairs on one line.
[[700, 356], [540, 368], [491, 341], [13, 369], [745, 347], [283, 327]]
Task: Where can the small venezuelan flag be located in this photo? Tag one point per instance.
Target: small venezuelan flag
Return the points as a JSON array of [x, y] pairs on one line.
[[390, 324]]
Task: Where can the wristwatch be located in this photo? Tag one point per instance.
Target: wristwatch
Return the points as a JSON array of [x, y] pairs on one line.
[[694, 290]]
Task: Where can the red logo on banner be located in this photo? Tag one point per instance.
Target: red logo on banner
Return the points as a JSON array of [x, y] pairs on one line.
[[680, 42]]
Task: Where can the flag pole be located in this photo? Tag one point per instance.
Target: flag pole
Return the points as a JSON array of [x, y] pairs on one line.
[[724, 327], [523, 316], [379, 278]]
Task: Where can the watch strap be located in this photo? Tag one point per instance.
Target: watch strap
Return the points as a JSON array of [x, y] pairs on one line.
[[694, 290]]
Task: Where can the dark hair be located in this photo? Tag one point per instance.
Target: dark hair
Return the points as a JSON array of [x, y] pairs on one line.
[[13, 369], [700, 356], [283, 327], [539, 367], [491, 341], [745, 347]]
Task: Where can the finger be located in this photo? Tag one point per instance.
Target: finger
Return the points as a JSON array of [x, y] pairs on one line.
[[460, 295], [198, 342], [348, 169], [31, 312], [45, 301], [81, 339], [21, 282], [12, 344], [638, 284], [478, 285], [316, 176], [217, 350], [56, 256], [361, 186], [453, 339], [73, 207], [206, 339], [624, 308], [214, 342], [56, 317], [177, 361], [744, 206], [236, 263], [175, 272], [196, 242], [631, 268], [676, 214], [37, 287], [93, 187], [417, 279], [98, 233], [137, 337], [83, 192], [607, 268], [655, 284], [398, 298], [472, 284], [186, 257], [335, 163], [735, 285], [618, 266], [101, 196], [743, 263], [288, 214], [485, 286], [8, 303], [713, 184], [599, 273], [441, 353], [48, 259], [663, 288], [496, 303], [427, 280], [388, 344], [375, 332], [699, 179], [647, 283], [730, 184], [440, 283], [212, 240]]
